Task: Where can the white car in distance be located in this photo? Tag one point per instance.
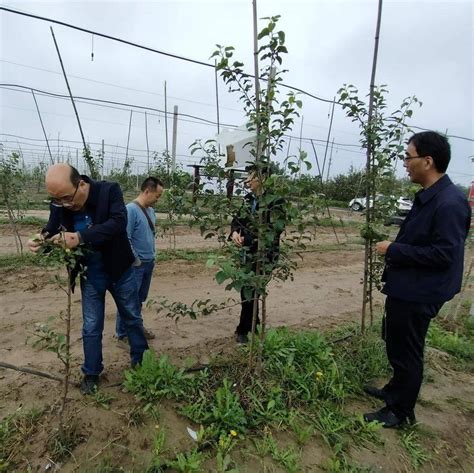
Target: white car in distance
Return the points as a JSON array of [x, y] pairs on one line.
[[404, 204]]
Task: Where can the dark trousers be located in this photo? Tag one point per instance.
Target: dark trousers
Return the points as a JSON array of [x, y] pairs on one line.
[[406, 324], [247, 297]]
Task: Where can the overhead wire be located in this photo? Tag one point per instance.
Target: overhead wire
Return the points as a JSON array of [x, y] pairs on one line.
[[176, 56], [108, 104], [153, 50]]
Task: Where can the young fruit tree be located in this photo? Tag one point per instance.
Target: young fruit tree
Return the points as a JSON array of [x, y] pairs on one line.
[[270, 116]]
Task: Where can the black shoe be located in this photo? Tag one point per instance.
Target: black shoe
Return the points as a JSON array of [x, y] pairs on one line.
[[388, 418], [89, 384], [375, 392], [241, 338]]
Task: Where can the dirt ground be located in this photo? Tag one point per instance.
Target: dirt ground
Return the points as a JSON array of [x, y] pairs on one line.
[[325, 293]]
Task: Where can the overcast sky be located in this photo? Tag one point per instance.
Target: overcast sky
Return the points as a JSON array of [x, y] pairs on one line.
[[426, 49]]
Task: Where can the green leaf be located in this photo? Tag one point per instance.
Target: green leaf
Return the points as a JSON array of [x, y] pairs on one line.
[[221, 276], [263, 33]]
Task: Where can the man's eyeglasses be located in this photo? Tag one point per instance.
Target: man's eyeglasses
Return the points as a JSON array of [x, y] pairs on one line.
[[407, 158], [65, 201]]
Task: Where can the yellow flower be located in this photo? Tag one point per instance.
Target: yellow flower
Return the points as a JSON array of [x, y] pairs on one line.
[[319, 374], [233, 433]]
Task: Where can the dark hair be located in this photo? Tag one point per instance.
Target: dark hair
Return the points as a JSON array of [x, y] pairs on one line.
[[431, 143], [265, 169], [151, 183], [75, 177]]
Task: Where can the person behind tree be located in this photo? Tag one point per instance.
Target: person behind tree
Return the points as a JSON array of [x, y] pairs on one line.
[[245, 232]]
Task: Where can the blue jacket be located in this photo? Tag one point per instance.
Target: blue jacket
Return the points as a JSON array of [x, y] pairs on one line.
[[108, 233], [425, 262]]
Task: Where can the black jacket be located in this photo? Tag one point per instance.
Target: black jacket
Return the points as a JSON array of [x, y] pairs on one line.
[[246, 223], [425, 263], [108, 234]]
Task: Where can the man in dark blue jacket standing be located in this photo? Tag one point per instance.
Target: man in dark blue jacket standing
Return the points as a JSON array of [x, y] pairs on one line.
[[423, 270], [93, 214]]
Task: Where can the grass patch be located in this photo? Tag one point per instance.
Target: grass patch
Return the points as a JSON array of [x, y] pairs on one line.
[[15, 430], [36, 221], [410, 441], [459, 346], [184, 255], [304, 383], [27, 259]]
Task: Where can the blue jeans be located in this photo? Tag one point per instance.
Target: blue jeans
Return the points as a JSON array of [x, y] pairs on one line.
[[143, 275], [124, 292]]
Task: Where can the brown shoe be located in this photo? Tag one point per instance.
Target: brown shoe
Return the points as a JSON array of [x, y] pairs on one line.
[[148, 335]]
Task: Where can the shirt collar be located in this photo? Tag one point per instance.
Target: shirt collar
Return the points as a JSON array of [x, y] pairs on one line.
[[424, 195], [94, 190]]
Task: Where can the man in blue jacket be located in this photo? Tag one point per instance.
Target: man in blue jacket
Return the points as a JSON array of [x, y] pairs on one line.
[[93, 214], [423, 270]]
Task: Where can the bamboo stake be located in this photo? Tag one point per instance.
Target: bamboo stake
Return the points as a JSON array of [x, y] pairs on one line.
[[42, 126], [68, 88], [217, 101], [325, 199], [257, 159], [147, 145], [329, 136], [128, 137], [368, 256], [166, 124]]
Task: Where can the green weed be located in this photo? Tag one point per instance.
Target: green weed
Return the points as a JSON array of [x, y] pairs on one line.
[[341, 464], [15, 430], [300, 427], [459, 346], [63, 441], [158, 450], [188, 462], [224, 462], [410, 440], [157, 378], [289, 458], [223, 414], [103, 399]]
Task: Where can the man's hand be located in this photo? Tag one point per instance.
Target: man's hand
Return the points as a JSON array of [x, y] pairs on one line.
[[71, 239], [237, 239], [35, 243], [382, 246]]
